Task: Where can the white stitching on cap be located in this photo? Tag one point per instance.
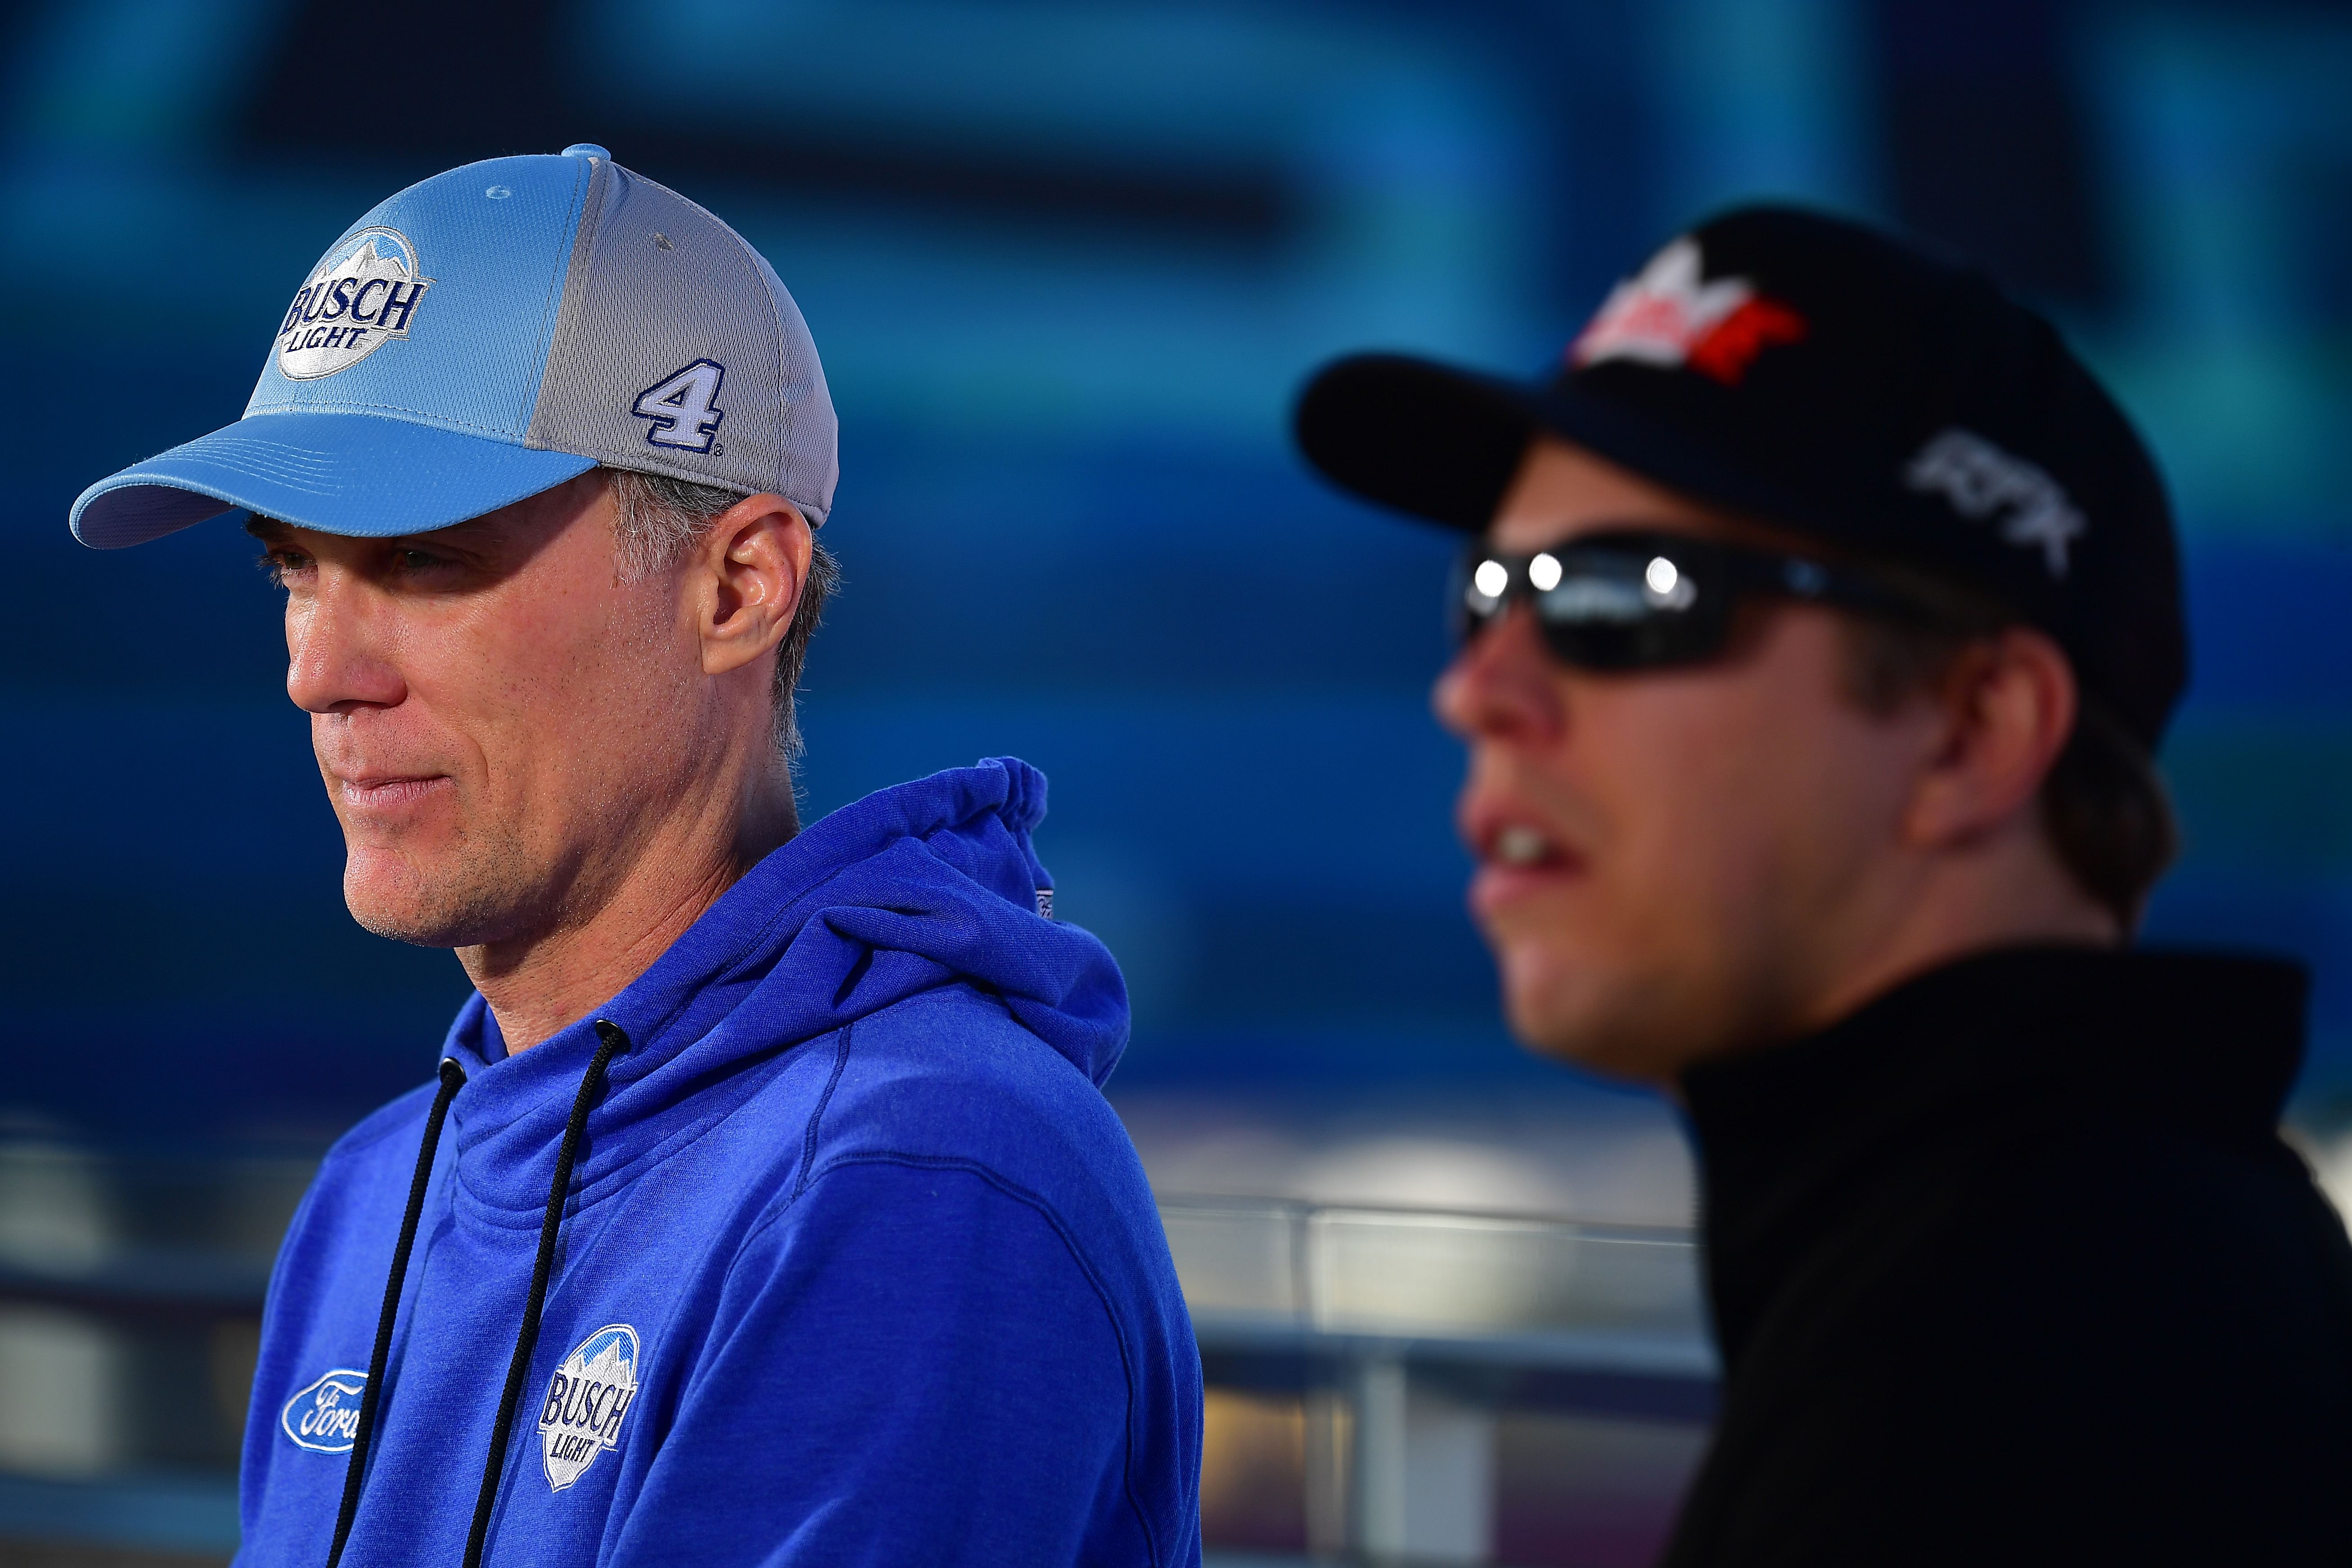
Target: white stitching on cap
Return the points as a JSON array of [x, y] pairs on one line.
[[426, 415]]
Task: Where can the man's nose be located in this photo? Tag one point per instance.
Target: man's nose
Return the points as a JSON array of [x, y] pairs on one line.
[[1501, 685], [336, 653]]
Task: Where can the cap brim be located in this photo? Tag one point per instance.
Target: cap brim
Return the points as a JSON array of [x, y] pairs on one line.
[[1417, 435], [358, 474], [1444, 444]]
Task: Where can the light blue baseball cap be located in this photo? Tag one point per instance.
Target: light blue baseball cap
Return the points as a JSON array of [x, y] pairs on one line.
[[489, 333]]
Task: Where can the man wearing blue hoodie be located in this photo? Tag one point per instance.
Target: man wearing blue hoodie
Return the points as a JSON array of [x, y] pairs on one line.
[[765, 1208]]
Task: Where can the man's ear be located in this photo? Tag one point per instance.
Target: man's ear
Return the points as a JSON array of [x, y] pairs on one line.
[[749, 572], [2008, 705]]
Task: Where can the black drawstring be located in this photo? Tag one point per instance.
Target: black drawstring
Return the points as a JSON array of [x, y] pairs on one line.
[[527, 1336], [453, 1078]]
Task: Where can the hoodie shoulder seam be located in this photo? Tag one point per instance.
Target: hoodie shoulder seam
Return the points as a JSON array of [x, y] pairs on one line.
[[1052, 1217], [816, 1118]]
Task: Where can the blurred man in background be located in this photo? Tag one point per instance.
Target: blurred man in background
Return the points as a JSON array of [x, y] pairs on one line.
[[780, 1220], [1819, 623]]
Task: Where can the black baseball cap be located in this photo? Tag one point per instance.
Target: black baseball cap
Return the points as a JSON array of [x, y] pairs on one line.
[[1833, 380]]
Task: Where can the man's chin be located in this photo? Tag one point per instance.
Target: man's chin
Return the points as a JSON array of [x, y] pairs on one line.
[[1577, 1017], [1588, 1051], [406, 908], [403, 925]]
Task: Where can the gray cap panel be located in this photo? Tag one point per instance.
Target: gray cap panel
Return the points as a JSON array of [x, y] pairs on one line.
[[677, 352]]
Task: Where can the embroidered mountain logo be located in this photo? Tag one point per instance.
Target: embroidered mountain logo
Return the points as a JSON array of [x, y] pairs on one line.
[[324, 1416], [1667, 317], [585, 1400], [362, 296]]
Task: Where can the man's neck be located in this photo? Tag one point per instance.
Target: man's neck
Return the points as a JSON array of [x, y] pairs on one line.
[[536, 984], [2012, 895]]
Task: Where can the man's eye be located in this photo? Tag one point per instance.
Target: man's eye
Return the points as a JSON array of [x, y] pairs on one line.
[[280, 564], [419, 561]]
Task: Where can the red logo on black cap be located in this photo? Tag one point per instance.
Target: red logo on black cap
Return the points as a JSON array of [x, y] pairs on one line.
[[1667, 317]]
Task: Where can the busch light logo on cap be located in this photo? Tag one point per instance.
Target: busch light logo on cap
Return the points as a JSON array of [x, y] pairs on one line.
[[363, 295], [586, 1398], [325, 1415]]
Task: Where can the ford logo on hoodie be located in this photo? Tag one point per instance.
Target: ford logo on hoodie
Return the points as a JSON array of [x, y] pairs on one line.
[[325, 1415]]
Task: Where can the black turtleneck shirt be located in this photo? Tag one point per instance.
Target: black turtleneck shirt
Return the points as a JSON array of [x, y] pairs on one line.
[[2011, 1267]]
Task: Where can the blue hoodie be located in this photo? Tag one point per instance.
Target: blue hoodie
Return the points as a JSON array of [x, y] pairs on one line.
[[855, 1264]]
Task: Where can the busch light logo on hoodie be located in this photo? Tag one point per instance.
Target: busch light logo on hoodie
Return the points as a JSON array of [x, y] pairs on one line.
[[363, 295], [586, 1398], [325, 1415]]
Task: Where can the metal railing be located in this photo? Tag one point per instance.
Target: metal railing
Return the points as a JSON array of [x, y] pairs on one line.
[[131, 1292], [1407, 1334]]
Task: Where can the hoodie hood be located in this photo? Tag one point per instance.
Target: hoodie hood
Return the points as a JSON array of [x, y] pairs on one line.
[[821, 1232], [912, 888]]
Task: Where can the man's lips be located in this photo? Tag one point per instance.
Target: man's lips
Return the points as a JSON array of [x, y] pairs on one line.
[[1519, 855], [388, 791]]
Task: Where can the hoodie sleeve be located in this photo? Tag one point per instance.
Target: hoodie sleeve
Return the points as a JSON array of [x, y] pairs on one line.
[[916, 1365]]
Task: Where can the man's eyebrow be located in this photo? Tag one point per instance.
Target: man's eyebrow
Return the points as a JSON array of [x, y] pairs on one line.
[[474, 533]]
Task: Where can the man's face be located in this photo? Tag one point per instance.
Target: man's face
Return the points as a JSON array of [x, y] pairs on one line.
[[1673, 862], [496, 716]]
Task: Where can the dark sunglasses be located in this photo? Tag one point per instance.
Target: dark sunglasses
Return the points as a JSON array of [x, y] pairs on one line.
[[1640, 599]]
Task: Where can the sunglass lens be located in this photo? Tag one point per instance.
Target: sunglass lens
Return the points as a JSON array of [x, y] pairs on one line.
[[1617, 608], [1481, 584], [1619, 605]]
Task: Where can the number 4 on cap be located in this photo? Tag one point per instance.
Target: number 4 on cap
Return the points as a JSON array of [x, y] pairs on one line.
[[681, 408]]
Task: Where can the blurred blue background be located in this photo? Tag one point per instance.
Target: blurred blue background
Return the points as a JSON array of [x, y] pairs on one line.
[[1066, 263]]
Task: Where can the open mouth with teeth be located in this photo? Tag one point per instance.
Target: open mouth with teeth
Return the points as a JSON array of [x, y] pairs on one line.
[[1520, 845]]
